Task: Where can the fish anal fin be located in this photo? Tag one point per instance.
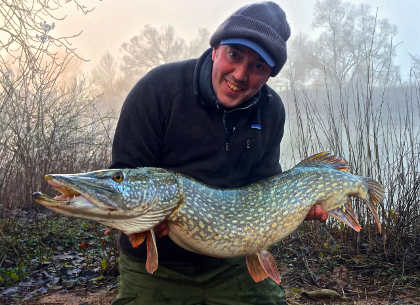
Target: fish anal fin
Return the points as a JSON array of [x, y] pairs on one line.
[[268, 262], [263, 265], [256, 271], [152, 261], [136, 239]]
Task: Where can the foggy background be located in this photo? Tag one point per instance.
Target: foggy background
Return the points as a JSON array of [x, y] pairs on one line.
[[350, 82], [112, 23]]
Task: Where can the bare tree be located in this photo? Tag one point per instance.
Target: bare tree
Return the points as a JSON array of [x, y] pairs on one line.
[[199, 44], [153, 47], [27, 29], [300, 68], [104, 75], [415, 66], [353, 43], [47, 128], [48, 121], [357, 108], [109, 83], [149, 49]]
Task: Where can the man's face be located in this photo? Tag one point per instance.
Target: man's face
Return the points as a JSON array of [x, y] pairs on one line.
[[238, 73]]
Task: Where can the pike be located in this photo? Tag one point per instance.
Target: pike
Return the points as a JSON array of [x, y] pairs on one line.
[[217, 222]]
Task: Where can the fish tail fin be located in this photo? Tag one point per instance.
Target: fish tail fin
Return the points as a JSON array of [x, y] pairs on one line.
[[376, 194], [346, 215], [325, 159]]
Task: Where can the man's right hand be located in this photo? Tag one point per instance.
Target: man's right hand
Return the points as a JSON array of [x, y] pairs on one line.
[[317, 213], [161, 229]]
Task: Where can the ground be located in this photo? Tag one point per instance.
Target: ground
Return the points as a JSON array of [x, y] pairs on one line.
[[342, 286], [102, 297], [55, 260]]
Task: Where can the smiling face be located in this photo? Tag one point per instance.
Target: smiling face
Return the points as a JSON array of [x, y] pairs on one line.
[[238, 74]]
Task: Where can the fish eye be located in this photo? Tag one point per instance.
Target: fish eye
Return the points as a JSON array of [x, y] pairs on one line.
[[118, 177]]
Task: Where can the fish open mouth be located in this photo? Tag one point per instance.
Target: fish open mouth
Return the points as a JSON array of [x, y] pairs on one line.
[[66, 193], [92, 196], [69, 201], [72, 200]]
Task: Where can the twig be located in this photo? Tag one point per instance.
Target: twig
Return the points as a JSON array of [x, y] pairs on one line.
[[313, 276], [2, 260], [392, 288], [403, 262]]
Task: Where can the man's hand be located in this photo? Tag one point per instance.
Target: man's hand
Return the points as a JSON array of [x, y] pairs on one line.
[[317, 213], [161, 229]]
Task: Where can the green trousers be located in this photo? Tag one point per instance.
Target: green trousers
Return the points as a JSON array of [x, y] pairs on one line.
[[229, 284]]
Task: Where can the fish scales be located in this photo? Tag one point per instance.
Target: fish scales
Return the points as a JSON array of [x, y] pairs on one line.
[[217, 222], [252, 218]]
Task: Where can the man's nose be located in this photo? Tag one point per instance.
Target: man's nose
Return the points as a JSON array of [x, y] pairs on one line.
[[241, 72]]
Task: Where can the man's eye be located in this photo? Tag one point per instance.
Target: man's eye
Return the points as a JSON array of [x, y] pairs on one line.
[[233, 54], [261, 67]]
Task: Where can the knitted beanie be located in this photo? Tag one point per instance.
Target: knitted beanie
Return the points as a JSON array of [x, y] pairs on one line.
[[263, 23]]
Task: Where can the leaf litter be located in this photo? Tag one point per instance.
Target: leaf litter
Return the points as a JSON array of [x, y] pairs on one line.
[[43, 253]]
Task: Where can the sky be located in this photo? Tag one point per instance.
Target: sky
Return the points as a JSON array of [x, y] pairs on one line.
[[114, 22]]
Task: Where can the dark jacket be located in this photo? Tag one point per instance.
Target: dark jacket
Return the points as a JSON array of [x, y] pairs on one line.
[[171, 119]]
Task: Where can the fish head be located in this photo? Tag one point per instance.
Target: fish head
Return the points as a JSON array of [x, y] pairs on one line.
[[142, 195]]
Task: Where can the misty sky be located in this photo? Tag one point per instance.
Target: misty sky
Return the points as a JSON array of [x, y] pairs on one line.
[[114, 22]]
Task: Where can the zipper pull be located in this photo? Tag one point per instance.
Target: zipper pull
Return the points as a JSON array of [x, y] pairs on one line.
[[227, 146], [248, 144]]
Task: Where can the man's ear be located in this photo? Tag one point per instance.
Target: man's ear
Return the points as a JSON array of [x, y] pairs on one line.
[[213, 53]]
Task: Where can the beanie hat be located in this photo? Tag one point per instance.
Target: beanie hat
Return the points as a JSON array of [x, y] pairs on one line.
[[262, 23]]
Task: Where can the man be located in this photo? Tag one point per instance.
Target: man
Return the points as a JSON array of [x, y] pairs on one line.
[[216, 120]]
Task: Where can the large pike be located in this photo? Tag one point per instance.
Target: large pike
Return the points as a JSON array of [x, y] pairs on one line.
[[243, 221]]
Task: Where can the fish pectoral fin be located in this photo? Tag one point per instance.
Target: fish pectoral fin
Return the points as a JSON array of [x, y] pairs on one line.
[[152, 254], [136, 239], [263, 265], [346, 215]]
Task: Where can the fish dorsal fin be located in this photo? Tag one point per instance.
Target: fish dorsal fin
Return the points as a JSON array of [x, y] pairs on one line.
[[263, 265], [152, 253], [325, 159]]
